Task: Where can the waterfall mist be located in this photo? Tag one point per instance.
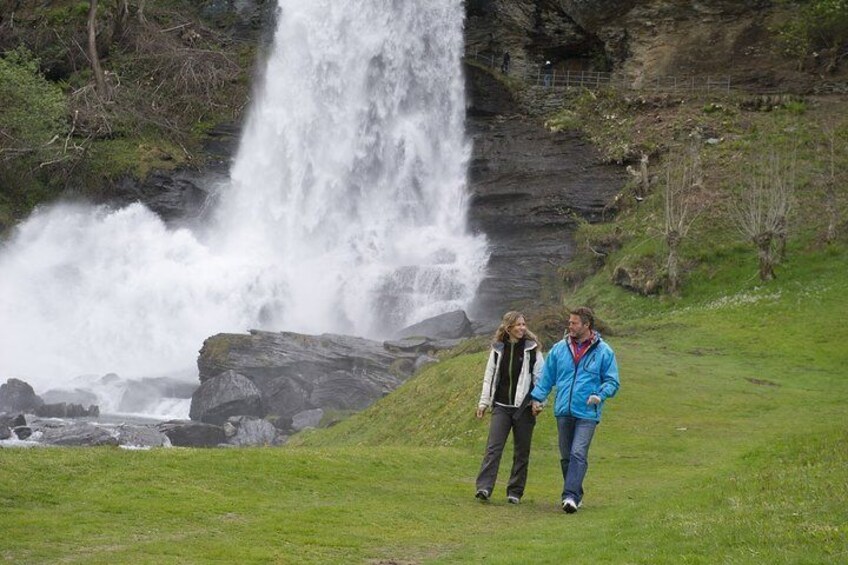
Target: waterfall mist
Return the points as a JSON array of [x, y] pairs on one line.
[[345, 212]]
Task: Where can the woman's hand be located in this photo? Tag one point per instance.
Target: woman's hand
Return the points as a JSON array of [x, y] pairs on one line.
[[536, 408]]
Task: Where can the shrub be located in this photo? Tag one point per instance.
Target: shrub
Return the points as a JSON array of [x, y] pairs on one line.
[[33, 113], [818, 28]]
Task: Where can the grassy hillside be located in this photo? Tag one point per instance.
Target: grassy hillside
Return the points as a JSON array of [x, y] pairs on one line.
[[726, 444]]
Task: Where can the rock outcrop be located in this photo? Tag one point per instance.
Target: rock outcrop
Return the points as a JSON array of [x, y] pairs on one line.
[[65, 410], [18, 396], [638, 40], [186, 433], [450, 325], [296, 373], [228, 394], [242, 431]]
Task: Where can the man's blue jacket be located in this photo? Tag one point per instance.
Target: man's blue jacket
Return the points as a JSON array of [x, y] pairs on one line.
[[596, 373]]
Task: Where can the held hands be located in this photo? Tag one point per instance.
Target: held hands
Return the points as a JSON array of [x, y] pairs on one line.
[[536, 408], [594, 399]]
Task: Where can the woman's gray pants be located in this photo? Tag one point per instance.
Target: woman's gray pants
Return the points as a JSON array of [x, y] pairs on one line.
[[521, 421]]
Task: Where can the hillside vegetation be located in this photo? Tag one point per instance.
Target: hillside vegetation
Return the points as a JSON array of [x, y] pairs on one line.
[[169, 76]]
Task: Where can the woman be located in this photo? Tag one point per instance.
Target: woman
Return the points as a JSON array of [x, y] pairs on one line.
[[515, 363]]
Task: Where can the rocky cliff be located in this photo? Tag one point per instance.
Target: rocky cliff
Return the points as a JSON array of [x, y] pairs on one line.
[[642, 40]]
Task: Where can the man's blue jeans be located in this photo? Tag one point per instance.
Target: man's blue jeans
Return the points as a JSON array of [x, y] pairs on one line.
[[575, 436]]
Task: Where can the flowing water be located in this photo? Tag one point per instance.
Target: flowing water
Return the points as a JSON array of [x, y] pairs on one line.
[[345, 212]]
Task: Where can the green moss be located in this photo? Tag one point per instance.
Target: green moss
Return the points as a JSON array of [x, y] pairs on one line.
[[216, 349], [113, 158]]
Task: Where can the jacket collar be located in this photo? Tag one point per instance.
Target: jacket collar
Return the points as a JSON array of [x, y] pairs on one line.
[[596, 338], [528, 345]]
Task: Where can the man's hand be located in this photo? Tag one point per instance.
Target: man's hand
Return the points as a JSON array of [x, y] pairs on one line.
[[480, 411], [593, 400], [536, 408]]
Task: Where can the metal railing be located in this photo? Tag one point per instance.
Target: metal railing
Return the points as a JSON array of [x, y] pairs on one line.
[[599, 79]]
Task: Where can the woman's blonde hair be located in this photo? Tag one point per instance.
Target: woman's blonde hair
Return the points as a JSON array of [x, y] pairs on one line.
[[509, 320]]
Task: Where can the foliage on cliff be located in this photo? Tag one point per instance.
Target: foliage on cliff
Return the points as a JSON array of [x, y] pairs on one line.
[[818, 32], [169, 77], [33, 130]]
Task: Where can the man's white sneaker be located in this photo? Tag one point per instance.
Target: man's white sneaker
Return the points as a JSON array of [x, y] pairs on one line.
[[482, 494], [569, 506], [513, 499]]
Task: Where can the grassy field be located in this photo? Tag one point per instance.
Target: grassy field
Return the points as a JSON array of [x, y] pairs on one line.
[[728, 443]]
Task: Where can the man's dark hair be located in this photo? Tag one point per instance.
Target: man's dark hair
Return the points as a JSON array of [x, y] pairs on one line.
[[586, 316]]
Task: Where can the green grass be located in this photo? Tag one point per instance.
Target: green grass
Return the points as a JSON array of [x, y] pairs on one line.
[[726, 444]]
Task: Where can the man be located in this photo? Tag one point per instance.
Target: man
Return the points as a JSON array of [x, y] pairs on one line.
[[548, 73], [505, 64], [582, 367]]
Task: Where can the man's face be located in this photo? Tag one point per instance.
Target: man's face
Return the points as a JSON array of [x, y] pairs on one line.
[[577, 329]]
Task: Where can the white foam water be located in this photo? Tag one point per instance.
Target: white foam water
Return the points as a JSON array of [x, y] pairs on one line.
[[345, 212]]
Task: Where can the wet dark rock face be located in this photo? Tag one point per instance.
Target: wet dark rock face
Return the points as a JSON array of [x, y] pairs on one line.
[[528, 186]]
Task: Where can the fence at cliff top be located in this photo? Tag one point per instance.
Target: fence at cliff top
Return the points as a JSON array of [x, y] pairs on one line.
[[599, 79]]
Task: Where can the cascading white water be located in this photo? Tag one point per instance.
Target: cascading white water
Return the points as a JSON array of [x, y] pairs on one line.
[[345, 212]]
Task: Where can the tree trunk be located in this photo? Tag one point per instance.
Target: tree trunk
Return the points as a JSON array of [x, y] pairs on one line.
[[140, 13], [673, 242], [765, 256], [99, 77]]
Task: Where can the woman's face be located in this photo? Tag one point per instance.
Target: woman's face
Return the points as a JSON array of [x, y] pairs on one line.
[[518, 329]]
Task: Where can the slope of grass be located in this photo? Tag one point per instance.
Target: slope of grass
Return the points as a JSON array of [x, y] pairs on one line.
[[726, 444]]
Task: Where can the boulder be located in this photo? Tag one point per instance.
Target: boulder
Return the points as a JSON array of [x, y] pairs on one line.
[[642, 279], [185, 433], [141, 436], [228, 394], [451, 325], [7, 422], [18, 396], [424, 360], [250, 431], [307, 419], [22, 432], [63, 410], [296, 372], [81, 434]]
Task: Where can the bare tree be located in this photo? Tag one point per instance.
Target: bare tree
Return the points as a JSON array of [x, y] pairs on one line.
[[761, 212], [680, 211], [97, 69], [140, 12]]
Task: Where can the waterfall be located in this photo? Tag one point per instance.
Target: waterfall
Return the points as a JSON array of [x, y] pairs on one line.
[[344, 212]]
